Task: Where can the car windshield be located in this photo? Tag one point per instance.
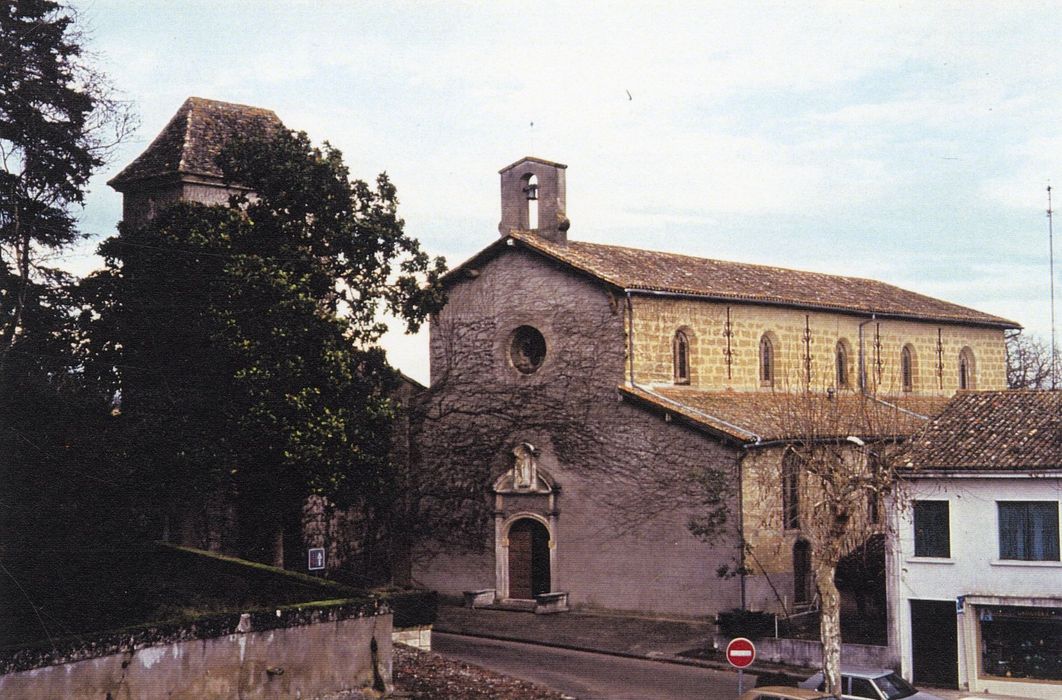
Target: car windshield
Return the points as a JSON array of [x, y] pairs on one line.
[[894, 687]]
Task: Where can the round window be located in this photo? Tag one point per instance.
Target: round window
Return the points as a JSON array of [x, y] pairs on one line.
[[528, 349]]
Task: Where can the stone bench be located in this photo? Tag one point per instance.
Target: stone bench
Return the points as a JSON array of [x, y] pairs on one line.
[[480, 599], [552, 602]]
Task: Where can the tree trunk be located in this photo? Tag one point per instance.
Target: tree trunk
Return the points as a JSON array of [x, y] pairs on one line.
[[829, 624], [278, 545]]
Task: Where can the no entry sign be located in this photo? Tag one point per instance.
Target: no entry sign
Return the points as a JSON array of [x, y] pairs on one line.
[[740, 652]]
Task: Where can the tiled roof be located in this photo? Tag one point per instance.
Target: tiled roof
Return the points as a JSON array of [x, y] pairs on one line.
[[993, 430], [654, 271], [744, 416], [193, 138]]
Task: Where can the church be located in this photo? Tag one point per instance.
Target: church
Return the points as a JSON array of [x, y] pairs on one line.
[[609, 427], [626, 413]]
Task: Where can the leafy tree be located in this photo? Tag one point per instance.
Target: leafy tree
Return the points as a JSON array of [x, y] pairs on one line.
[[58, 122], [247, 335]]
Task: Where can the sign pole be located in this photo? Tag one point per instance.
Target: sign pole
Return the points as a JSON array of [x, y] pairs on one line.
[[740, 652]]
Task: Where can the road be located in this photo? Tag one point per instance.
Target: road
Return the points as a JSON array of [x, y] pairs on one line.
[[588, 676]]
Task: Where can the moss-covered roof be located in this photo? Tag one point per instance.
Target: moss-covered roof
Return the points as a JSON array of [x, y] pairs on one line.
[[190, 143], [993, 430]]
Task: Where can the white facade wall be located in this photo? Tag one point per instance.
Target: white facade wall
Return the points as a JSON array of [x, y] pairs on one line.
[[974, 570]]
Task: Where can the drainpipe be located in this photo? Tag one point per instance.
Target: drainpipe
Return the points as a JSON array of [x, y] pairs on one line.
[[630, 337], [863, 354]]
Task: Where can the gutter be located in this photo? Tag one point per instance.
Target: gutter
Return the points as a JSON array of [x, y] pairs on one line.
[[974, 473], [809, 306], [901, 409]]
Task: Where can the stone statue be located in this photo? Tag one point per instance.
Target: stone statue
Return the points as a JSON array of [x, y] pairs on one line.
[[524, 468]]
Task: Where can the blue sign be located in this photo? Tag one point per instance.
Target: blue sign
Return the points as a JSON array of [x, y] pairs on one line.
[[316, 559]]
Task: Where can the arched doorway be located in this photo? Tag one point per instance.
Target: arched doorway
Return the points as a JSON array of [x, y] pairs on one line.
[[802, 577], [529, 573]]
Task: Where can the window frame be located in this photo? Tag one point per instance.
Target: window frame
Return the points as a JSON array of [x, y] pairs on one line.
[[842, 373], [1051, 548], [680, 357], [907, 368], [967, 363], [919, 543], [768, 361]]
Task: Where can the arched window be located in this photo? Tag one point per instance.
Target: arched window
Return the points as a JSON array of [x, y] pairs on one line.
[[907, 368], [843, 373], [791, 491], [767, 360], [681, 350], [966, 370]]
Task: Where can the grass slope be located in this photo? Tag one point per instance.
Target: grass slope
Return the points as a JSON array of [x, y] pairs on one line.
[[59, 594]]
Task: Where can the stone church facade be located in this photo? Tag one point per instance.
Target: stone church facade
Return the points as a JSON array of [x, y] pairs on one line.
[[649, 390]]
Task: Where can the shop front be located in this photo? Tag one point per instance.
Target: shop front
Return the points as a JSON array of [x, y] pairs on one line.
[[1013, 645]]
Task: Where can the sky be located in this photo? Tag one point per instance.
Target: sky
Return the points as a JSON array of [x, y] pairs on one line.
[[910, 142]]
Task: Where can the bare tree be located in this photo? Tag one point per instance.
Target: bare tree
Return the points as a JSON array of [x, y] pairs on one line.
[[848, 448], [1029, 362]]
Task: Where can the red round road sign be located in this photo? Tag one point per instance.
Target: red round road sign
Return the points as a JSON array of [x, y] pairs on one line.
[[740, 652]]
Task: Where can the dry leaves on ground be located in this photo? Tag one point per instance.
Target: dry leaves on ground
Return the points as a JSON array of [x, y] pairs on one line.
[[425, 676]]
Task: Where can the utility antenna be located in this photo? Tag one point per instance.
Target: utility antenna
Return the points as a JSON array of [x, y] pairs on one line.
[[1051, 266]]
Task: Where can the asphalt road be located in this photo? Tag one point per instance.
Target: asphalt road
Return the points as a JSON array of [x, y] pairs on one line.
[[588, 676]]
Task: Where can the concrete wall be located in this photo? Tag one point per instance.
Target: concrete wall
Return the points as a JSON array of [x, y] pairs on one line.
[[622, 539], [656, 319], [808, 653], [301, 661]]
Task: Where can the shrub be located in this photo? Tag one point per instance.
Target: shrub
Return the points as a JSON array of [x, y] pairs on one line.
[[753, 624]]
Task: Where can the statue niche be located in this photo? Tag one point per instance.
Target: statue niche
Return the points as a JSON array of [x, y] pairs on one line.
[[525, 470], [524, 476]]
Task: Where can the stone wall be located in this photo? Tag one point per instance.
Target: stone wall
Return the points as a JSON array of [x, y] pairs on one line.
[[303, 652], [656, 319], [626, 491], [808, 653]]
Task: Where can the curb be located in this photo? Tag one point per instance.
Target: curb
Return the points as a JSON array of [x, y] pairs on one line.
[[662, 658]]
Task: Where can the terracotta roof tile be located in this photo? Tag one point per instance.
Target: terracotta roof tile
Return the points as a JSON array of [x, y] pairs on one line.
[[193, 138], [654, 271], [745, 416], [993, 430]]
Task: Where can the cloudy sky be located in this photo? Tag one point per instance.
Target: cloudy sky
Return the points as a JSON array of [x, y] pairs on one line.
[[910, 142]]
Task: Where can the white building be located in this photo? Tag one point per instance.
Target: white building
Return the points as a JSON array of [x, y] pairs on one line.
[[975, 578]]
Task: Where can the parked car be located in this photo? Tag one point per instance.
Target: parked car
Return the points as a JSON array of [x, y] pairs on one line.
[[782, 692], [857, 684]]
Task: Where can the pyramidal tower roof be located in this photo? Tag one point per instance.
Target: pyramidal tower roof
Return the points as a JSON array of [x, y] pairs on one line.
[[193, 138]]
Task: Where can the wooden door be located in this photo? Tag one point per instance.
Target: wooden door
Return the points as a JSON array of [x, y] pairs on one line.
[[520, 559], [529, 572]]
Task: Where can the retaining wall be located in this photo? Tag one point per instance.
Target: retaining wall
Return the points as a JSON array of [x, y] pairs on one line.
[[293, 652]]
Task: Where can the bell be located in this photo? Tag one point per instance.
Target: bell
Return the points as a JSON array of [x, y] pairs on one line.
[[531, 191]]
